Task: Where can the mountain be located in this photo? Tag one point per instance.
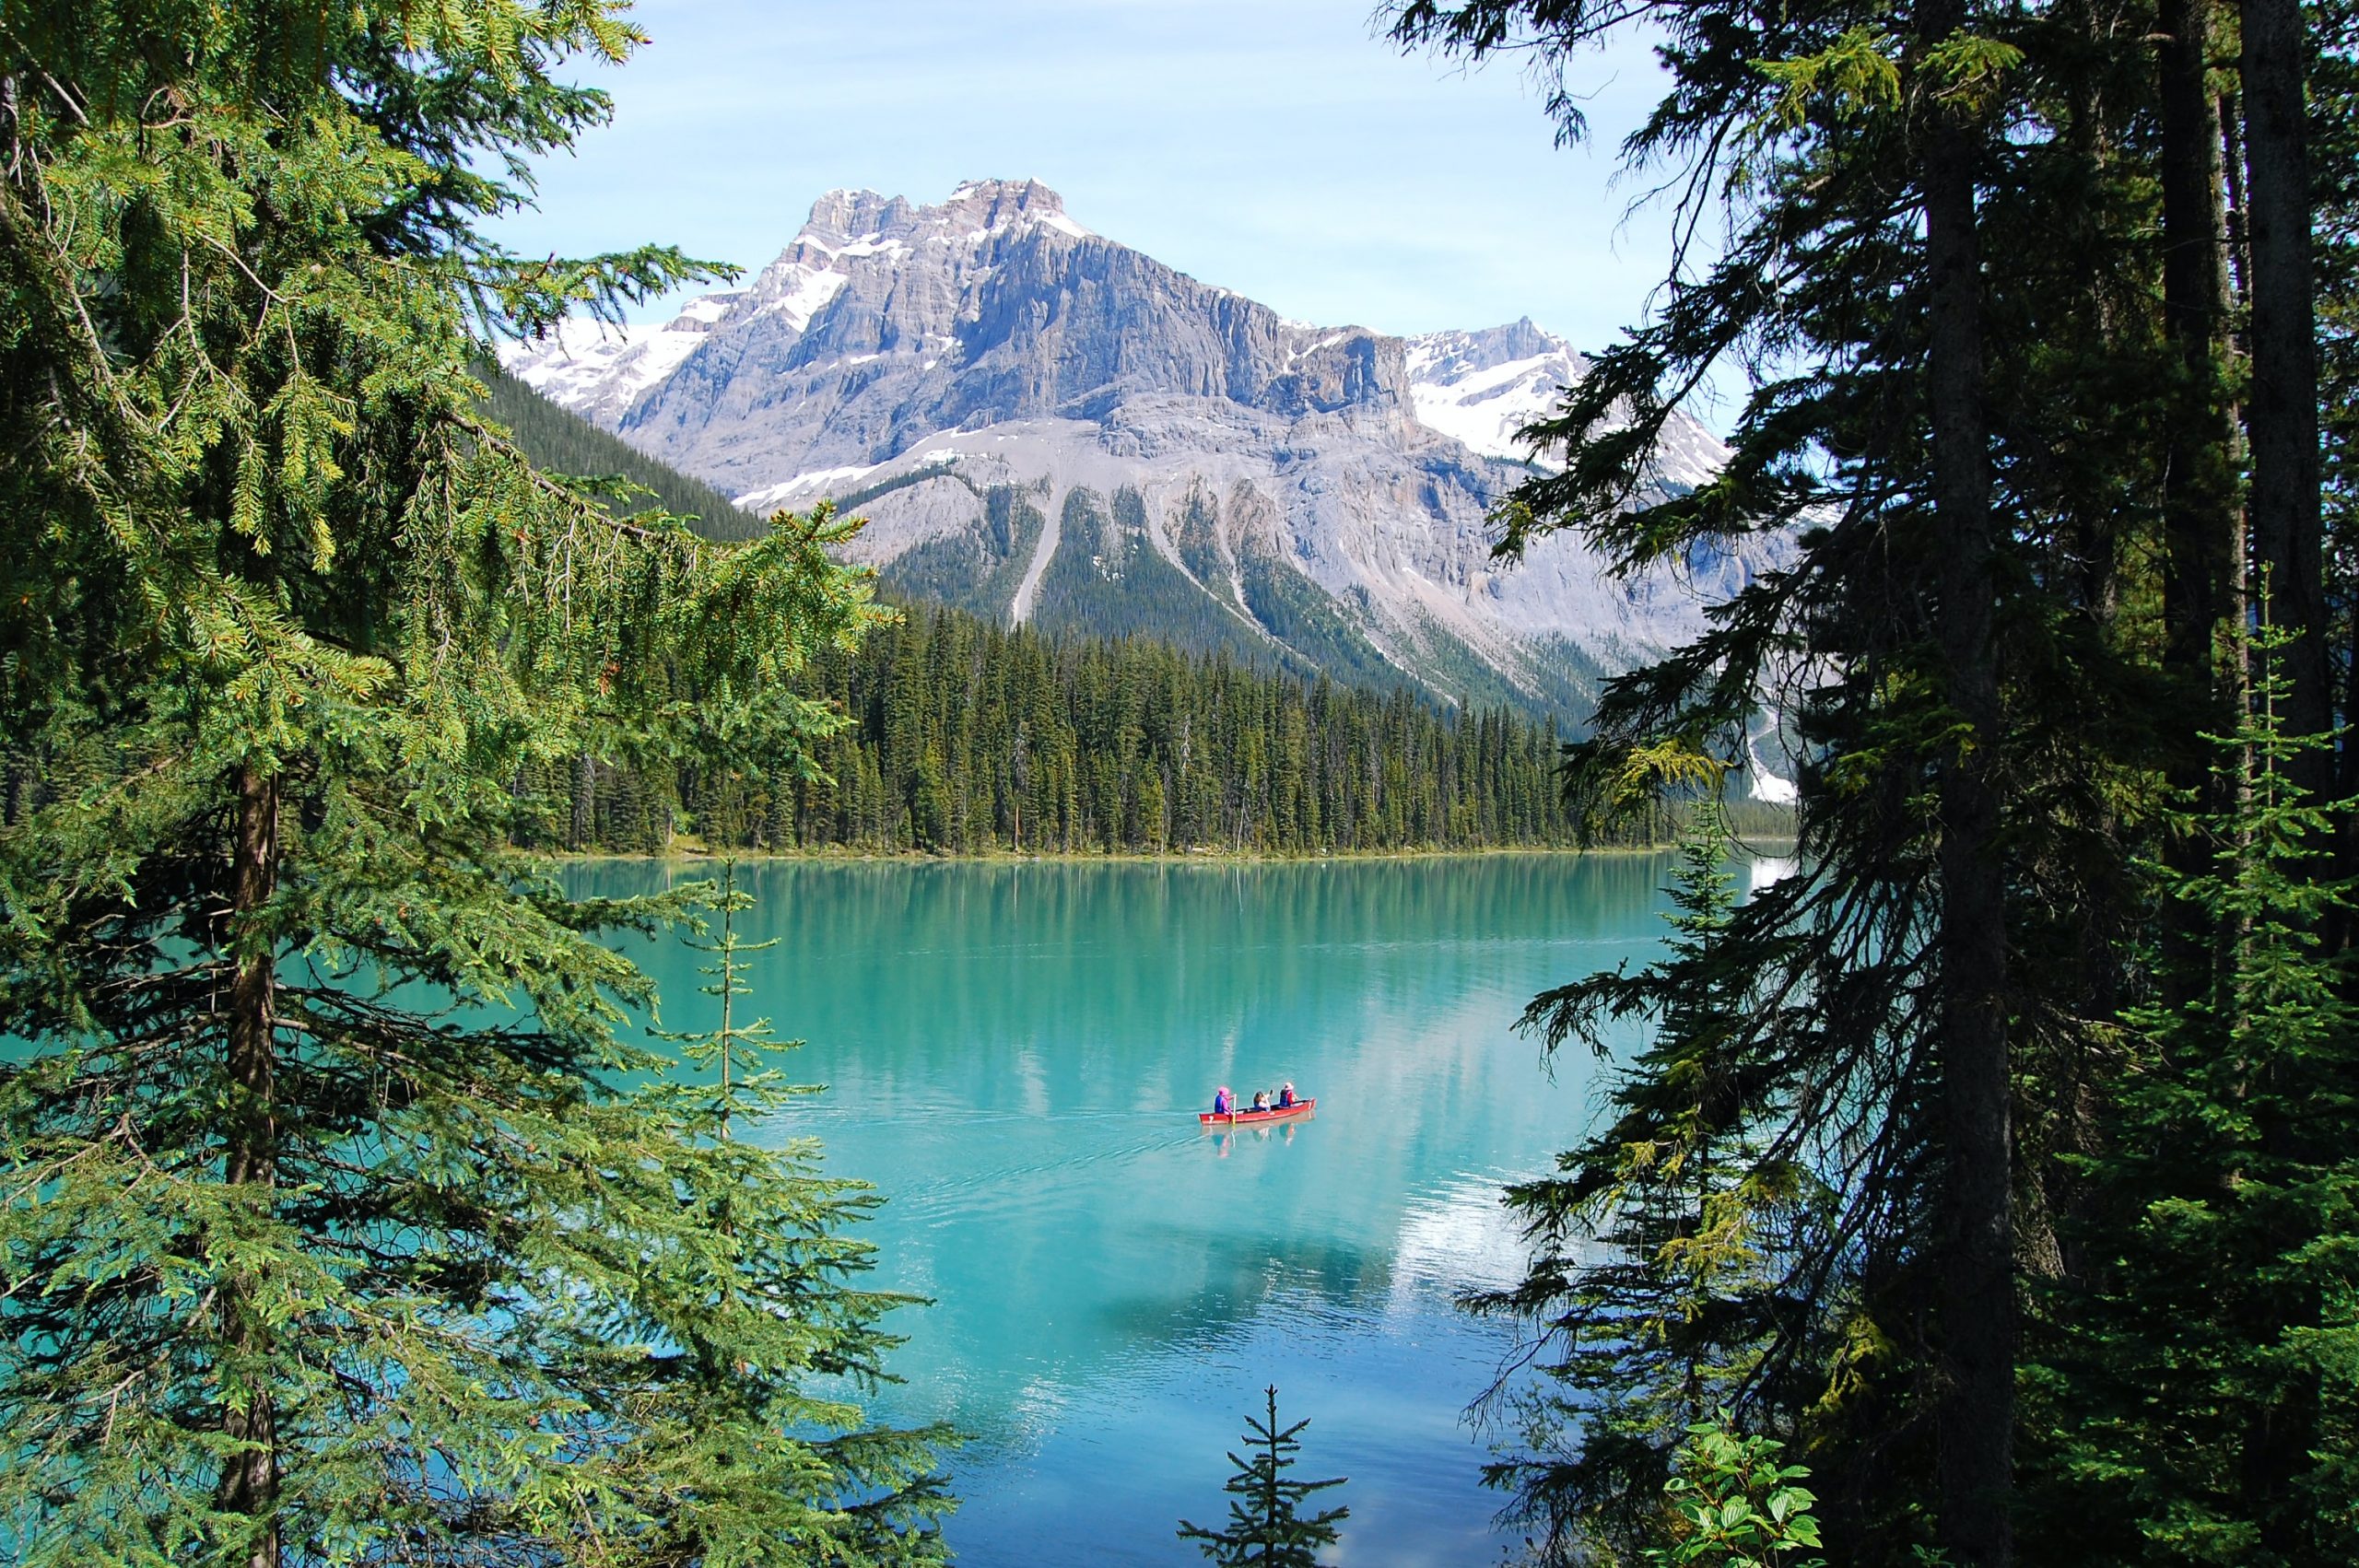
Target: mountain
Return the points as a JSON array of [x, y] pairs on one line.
[[561, 440], [1046, 426]]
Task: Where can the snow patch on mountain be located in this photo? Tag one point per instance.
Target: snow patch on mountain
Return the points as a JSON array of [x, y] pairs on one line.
[[1486, 388], [1330, 486], [1483, 388], [598, 368], [798, 292]]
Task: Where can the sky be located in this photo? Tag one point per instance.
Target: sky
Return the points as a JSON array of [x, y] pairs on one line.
[[1278, 147]]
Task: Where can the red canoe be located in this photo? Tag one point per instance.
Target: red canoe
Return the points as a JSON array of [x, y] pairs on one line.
[[1255, 1119]]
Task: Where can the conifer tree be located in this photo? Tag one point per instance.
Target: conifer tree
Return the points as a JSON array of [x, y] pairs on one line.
[[1982, 269], [1845, 142], [729, 1050], [776, 1306], [1658, 1243], [1266, 1525], [339, 1225], [2225, 1313]]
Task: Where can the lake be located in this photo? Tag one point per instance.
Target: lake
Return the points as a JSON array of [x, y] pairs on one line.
[[1014, 1054]]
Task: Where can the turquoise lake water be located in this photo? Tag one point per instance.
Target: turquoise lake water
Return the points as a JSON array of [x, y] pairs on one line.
[[1014, 1054]]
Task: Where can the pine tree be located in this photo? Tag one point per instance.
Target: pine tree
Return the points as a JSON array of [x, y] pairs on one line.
[[734, 1371], [1661, 1242], [339, 1226], [1939, 250], [2227, 1308], [1266, 1526]]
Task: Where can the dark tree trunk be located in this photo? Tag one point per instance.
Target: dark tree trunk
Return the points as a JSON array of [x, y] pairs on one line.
[[1976, 1415], [2283, 416], [2201, 514], [2203, 523], [2231, 158], [2346, 784], [2288, 544], [250, 1475], [585, 802]]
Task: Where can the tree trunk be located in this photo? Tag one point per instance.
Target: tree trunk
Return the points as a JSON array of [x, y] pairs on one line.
[[2287, 544], [2231, 159], [1976, 1415], [2200, 516], [2346, 782], [2283, 417], [250, 1476], [584, 804], [2202, 523]]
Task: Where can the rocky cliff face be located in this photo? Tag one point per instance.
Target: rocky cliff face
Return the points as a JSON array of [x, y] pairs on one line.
[[1045, 424]]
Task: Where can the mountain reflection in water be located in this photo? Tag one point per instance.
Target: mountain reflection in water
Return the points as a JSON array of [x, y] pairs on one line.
[[1016, 1054]]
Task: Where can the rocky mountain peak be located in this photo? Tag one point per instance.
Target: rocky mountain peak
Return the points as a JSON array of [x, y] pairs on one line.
[[1042, 423], [884, 322], [993, 204], [1485, 386], [1453, 355], [863, 223]]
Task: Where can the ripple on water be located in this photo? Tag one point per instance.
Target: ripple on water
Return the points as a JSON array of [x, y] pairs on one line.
[[1015, 1055]]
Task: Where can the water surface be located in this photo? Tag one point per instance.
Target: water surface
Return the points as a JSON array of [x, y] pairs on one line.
[[1016, 1054]]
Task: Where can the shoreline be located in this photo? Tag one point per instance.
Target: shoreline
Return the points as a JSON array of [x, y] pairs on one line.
[[692, 853]]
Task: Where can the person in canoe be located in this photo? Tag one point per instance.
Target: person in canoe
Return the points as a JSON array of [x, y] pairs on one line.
[[1286, 1096], [1260, 1099], [1222, 1103]]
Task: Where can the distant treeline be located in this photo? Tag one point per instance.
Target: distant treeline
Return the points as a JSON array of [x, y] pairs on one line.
[[967, 738]]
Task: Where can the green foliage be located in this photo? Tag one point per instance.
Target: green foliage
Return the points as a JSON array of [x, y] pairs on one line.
[[337, 1225], [1266, 1525], [1857, 73], [1107, 576], [772, 1310], [964, 738], [560, 441], [2225, 1212], [1660, 1242], [1734, 1506], [730, 1049], [978, 573], [1293, 609], [1839, 1012]]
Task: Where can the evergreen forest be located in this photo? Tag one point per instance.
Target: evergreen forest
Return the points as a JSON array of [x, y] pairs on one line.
[[1983, 1191], [968, 737], [1995, 1168], [964, 738], [343, 1221]]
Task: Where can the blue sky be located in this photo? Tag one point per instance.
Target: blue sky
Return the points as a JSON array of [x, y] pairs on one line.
[[1278, 147]]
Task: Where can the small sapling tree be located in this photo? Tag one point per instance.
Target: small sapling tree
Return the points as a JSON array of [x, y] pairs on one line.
[[1266, 1525]]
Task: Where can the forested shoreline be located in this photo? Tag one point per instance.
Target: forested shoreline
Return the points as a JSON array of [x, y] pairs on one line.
[[1996, 1161], [962, 737], [956, 735]]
